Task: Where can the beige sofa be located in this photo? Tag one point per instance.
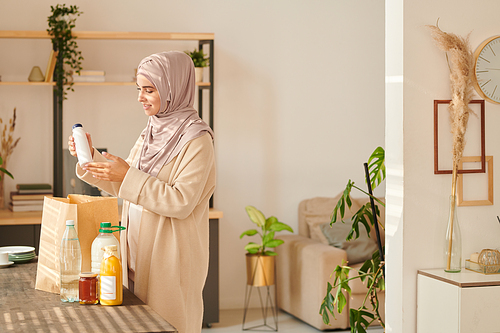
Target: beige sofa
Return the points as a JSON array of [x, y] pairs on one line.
[[306, 261]]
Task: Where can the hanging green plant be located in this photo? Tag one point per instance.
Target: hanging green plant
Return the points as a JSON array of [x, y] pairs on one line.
[[61, 22]]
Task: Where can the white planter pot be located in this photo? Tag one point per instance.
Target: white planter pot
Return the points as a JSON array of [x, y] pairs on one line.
[[198, 74]]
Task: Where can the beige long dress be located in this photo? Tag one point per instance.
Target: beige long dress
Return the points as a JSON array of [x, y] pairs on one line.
[[172, 253]]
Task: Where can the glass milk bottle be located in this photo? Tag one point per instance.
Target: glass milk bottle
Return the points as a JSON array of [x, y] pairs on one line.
[[70, 263], [104, 238]]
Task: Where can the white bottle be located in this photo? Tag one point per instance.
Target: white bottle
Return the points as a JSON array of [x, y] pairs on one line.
[[70, 263], [104, 238], [82, 145]]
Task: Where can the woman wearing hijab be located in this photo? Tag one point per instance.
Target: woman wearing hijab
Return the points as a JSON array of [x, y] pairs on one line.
[[166, 183]]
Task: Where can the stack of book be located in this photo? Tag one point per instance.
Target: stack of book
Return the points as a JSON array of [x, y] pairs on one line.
[[29, 197], [89, 76]]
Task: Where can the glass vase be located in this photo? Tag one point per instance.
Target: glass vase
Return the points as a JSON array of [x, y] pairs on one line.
[[453, 244]]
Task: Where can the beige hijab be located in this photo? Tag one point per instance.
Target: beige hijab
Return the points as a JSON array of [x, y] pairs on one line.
[[177, 122]]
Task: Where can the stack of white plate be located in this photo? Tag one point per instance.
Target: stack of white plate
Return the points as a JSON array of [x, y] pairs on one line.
[[19, 254]]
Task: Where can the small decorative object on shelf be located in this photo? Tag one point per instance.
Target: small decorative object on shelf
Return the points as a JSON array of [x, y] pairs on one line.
[[490, 259], [200, 60], [36, 75], [486, 262]]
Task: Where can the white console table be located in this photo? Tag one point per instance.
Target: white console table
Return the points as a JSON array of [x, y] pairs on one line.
[[457, 302]]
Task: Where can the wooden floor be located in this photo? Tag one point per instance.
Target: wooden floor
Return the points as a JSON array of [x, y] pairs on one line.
[[231, 322]]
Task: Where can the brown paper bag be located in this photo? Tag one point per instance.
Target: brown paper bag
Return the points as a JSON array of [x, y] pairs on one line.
[[87, 212]]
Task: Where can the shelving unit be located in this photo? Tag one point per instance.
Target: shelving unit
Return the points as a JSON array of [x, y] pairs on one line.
[[202, 38], [9, 220]]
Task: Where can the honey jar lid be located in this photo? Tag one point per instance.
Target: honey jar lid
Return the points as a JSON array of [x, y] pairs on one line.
[[88, 274]]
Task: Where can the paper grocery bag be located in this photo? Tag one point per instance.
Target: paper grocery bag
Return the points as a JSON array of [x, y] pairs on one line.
[[87, 212]]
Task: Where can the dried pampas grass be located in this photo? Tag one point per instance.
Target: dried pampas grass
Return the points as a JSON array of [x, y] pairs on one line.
[[461, 63], [7, 141]]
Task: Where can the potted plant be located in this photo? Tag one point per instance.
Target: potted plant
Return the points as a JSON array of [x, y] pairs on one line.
[[371, 272], [260, 260], [200, 60], [61, 22]]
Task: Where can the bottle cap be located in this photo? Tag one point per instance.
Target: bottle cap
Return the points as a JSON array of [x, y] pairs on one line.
[[105, 225], [107, 228], [88, 274], [77, 125], [70, 222]]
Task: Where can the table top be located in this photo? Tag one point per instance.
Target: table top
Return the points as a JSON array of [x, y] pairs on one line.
[[464, 279], [22, 307], [8, 217]]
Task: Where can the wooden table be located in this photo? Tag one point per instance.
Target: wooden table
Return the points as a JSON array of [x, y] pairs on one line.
[[24, 309]]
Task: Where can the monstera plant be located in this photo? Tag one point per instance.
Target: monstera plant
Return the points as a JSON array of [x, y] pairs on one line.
[[372, 271]]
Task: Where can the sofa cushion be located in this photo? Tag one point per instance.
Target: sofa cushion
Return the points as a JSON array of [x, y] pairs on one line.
[[315, 223], [358, 250]]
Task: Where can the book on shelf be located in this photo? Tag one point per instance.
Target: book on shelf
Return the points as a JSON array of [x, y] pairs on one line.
[[14, 196], [86, 72], [26, 208], [34, 188], [88, 78], [51, 66], [27, 202]]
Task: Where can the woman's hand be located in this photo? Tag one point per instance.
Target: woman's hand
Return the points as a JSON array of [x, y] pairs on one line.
[[72, 147], [113, 170]]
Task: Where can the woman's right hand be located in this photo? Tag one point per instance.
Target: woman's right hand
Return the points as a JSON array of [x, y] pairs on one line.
[[72, 147]]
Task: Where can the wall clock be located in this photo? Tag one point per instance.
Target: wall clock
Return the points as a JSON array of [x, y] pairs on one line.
[[487, 69]]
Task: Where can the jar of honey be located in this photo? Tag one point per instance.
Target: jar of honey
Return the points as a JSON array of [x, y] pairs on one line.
[[88, 288]]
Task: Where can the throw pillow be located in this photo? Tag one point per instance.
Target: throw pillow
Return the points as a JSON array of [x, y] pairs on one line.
[[358, 250], [315, 223]]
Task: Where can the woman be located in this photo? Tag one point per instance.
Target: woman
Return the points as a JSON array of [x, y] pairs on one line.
[[166, 184]]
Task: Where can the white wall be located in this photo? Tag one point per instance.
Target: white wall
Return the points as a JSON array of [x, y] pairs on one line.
[[299, 98], [418, 199]]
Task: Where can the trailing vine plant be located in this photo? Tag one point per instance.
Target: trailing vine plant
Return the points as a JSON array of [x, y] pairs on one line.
[[61, 22], [372, 271]]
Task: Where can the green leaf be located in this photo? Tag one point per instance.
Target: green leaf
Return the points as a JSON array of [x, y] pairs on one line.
[[7, 173], [269, 222], [365, 217], [256, 216], [376, 167], [344, 200], [274, 243], [270, 253], [267, 238], [253, 247], [341, 301], [279, 226], [249, 233], [253, 251]]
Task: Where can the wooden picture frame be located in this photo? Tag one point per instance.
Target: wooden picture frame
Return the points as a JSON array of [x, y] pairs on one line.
[[460, 183], [482, 169]]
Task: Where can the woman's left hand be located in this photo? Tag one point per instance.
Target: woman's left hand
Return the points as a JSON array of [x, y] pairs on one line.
[[113, 170]]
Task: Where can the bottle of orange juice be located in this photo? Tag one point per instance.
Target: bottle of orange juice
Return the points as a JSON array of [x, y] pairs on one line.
[[111, 286]]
